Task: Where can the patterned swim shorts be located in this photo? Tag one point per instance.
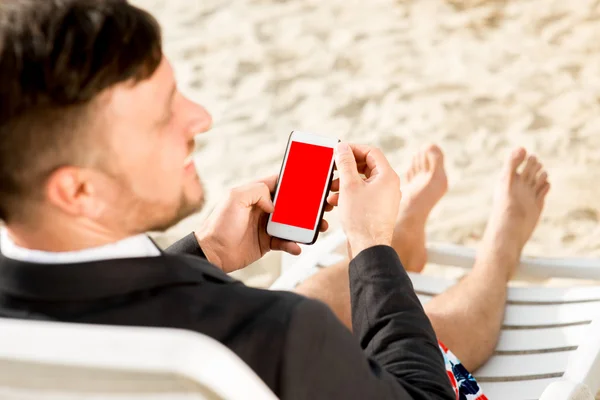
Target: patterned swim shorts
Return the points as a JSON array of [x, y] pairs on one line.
[[465, 386]]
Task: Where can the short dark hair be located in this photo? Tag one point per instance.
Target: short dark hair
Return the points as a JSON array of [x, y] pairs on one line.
[[56, 57]]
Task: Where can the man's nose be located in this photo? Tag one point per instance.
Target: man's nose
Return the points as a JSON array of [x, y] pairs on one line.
[[201, 120]]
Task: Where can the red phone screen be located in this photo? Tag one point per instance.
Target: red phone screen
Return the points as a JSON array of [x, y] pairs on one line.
[[301, 187]]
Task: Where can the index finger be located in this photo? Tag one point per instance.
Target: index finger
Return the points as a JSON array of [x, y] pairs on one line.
[[372, 157], [360, 152]]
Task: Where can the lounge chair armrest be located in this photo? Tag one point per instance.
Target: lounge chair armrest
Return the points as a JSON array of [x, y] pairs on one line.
[[545, 267], [567, 390]]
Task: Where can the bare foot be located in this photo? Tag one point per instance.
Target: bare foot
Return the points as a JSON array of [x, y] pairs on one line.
[[423, 186], [518, 203]]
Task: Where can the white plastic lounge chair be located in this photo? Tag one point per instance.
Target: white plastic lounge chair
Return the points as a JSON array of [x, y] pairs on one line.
[[59, 361], [548, 348]]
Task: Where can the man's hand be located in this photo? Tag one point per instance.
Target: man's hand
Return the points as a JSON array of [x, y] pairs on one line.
[[368, 206], [234, 235]]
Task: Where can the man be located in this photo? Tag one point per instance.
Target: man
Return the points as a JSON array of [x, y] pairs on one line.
[[94, 146]]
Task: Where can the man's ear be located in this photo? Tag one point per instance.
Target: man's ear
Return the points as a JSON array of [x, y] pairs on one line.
[[70, 190]]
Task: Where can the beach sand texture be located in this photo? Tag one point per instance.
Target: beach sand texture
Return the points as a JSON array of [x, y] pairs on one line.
[[476, 77]]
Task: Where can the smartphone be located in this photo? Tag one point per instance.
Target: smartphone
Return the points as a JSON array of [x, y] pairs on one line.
[[302, 188]]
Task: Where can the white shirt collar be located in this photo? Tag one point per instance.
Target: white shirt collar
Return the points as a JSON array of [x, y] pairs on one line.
[[132, 247]]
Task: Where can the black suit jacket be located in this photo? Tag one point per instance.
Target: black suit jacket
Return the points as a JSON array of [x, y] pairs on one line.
[[296, 345]]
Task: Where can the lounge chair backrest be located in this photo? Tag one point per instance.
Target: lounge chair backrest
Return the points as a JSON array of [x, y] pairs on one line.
[[49, 360]]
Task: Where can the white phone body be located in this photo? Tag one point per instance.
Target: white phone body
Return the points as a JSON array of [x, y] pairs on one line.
[[293, 232]]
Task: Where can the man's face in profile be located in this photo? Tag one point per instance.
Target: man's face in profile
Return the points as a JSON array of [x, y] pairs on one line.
[[150, 182]]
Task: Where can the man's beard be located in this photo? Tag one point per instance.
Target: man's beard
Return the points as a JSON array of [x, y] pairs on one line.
[[184, 210], [137, 214], [141, 215]]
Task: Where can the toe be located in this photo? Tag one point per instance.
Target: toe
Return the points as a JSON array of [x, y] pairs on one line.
[[543, 191], [434, 155], [515, 159], [421, 163], [434, 150], [410, 174], [529, 170], [541, 180], [533, 179], [413, 168]]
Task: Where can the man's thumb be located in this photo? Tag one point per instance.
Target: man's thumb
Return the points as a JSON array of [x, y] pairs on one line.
[[345, 162]]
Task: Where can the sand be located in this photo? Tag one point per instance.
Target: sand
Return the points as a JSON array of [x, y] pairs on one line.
[[476, 77]]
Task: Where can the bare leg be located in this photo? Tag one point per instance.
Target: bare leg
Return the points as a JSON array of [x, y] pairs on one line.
[[425, 183], [477, 302], [331, 286]]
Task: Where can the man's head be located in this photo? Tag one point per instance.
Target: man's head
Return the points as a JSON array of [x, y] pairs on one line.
[[93, 130]]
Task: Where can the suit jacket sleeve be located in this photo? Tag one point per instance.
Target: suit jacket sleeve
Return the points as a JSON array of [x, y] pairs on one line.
[[396, 355], [187, 245]]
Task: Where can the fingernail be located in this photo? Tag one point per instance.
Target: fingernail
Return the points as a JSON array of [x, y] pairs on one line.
[[342, 148]]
